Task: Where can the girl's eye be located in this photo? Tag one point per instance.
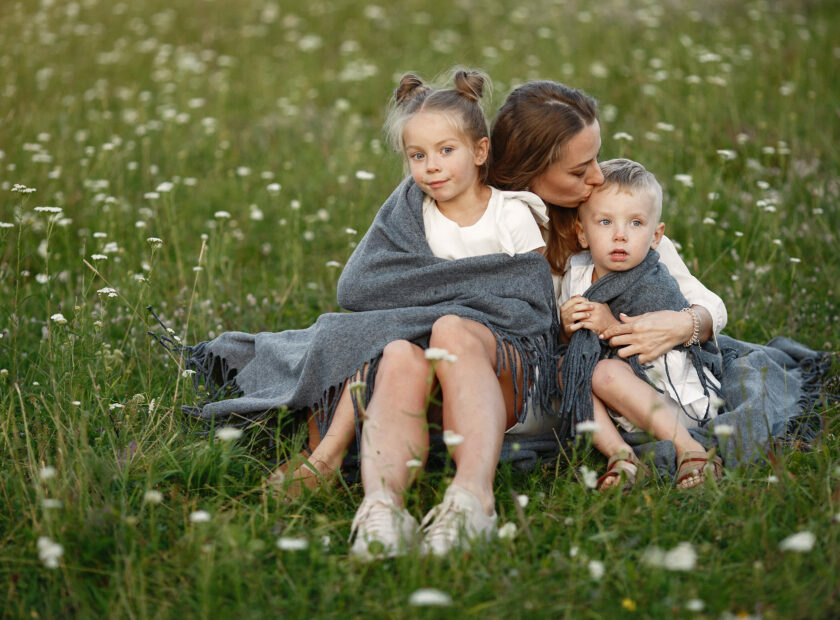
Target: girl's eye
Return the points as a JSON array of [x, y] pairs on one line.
[[636, 222], [604, 222], [416, 156], [447, 150]]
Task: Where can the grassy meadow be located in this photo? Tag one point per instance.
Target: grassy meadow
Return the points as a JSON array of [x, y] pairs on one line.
[[220, 160]]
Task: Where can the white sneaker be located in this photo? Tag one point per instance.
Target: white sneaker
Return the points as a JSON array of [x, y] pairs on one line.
[[381, 529], [456, 521]]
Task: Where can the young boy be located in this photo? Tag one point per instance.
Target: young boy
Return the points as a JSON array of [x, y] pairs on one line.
[[620, 225]]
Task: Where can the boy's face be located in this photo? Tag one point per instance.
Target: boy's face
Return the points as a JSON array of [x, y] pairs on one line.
[[618, 226]]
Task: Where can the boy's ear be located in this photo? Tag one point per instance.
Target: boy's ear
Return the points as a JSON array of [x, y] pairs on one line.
[[657, 235], [481, 151], [580, 234]]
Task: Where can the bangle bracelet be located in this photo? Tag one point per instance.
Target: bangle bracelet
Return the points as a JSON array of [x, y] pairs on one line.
[[695, 332]]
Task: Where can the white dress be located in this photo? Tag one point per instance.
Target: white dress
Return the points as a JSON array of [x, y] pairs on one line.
[[684, 385]]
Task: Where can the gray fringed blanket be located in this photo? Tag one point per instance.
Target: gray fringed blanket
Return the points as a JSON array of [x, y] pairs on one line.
[[396, 289], [771, 392], [646, 287]]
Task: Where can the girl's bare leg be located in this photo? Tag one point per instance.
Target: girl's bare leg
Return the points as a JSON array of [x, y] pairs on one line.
[[615, 383], [477, 404], [395, 429]]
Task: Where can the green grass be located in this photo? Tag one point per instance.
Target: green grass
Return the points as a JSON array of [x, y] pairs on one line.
[[102, 102]]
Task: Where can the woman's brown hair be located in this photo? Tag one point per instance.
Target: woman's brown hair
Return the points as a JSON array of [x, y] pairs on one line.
[[529, 133]]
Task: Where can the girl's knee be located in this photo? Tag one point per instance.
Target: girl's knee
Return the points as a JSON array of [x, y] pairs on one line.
[[403, 357], [456, 335]]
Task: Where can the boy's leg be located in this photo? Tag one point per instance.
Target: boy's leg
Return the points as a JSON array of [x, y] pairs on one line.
[[615, 383], [608, 442]]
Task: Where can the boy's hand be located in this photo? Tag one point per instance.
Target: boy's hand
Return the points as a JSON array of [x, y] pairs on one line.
[[578, 312], [601, 318]]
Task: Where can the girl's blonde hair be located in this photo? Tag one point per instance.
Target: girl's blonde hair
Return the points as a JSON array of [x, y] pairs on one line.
[[461, 105], [530, 132]]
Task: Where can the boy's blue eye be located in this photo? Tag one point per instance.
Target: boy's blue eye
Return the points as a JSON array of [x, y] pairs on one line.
[[447, 150], [636, 222], [604, 222]]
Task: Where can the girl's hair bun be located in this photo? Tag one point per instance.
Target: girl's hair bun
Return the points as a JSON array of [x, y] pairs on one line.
[[469, 84], [410, 87]]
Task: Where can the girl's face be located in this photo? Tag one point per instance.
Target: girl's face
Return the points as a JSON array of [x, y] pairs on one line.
[[570, 181], [443, 161]]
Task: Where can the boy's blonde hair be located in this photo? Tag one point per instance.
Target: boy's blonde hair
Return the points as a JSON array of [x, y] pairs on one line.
[[626, 174]]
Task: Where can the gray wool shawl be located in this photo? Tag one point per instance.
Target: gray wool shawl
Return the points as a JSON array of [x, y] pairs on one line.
[[395, 289], [647, 287]]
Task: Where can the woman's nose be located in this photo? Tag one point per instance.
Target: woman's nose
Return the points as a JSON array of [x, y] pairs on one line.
[[595, 176]]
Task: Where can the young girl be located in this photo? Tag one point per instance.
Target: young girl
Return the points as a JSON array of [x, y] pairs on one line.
[[620, 227], [443, 137], [493, 308]]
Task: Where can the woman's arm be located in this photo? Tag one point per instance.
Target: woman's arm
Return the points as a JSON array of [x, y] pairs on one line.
[[654, 333]]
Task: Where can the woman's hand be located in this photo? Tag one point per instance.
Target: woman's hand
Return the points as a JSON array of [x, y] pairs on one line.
[[651, 334], [578, 312]]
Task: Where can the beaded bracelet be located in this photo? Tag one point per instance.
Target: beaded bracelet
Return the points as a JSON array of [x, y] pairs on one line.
[[695, 333]]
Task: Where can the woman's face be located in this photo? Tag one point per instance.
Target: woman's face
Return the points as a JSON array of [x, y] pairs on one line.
[[570, 180]]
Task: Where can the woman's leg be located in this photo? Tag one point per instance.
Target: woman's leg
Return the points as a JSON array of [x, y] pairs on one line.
[[395, 428], [477, 404]]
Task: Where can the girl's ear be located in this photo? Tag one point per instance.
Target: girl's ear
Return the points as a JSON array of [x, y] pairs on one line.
[[481, 150], [580, 234], [657, 235]]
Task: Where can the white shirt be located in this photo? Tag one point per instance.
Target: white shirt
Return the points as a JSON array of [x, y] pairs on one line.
[[509, 226]]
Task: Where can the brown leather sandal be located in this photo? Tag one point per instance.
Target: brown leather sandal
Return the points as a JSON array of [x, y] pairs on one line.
[[694, 466], [623, 465]]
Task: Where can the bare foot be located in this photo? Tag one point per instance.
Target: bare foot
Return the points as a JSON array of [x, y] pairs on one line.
[[304, 471]]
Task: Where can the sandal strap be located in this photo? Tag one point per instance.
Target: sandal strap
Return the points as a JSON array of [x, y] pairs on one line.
[[628, 464]]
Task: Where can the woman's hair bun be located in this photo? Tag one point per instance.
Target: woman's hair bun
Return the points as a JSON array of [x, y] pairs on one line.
[[410, 87], [469, 84]]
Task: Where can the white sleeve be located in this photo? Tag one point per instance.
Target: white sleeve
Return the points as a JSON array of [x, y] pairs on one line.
[[522, 227], [691, 288], [565, 288]]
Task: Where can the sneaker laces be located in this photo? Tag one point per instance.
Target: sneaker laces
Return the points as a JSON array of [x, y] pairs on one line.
[[373, 515], [443, 521]]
